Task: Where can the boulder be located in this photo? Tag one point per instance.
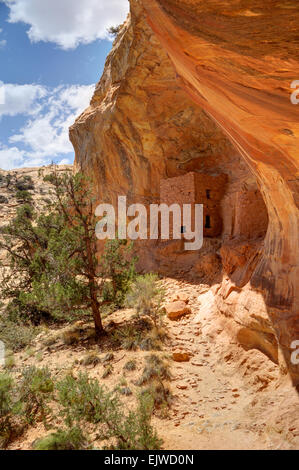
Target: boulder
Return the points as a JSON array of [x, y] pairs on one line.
[[176, 310], [183, 297], [179, 356]]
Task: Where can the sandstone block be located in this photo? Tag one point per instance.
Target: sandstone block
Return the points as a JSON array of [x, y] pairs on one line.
[[176, 310], [179, 356]]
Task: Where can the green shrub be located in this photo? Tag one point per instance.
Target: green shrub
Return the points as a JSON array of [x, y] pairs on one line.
[[20, 312], [6, 388], [8, 180], [91, 359], [6, 431], [118, 264], [123, 382], [155, 368], [108, 357], [161, 397], [24, 196], [71, 439], [16, 336], [3, 199], [130, 336], [114, 30], [9, 360], [126, 337], [135, 431], [107, 371], [25, 183], [71, 336], [154, 339], [155, 372], [35, 392], [146, 297], [130, 365], [9, 426], [81, 399], [84, 400]]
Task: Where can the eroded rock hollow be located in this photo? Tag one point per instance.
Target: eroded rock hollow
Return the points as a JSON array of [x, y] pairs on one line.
[[203, 88]]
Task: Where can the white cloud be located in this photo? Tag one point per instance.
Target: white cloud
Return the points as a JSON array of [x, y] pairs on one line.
[[10, 158], [68, 23], [19, 99], [65, 161], [45, 135]]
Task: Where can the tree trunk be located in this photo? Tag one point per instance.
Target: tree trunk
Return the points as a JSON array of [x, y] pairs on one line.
[[96, 310]]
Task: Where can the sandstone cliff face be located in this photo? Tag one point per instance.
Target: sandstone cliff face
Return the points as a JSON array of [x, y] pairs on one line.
[[235, 119], [237, 61]]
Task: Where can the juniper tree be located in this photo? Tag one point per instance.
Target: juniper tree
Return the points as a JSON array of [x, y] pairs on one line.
[[114, 30], [54, 259]]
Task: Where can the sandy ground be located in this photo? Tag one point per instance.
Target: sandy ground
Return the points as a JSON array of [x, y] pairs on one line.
[[223, 397]]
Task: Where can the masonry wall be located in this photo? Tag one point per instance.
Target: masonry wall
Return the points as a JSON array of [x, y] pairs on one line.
[[178, 190], [209, 192], [197, 188]]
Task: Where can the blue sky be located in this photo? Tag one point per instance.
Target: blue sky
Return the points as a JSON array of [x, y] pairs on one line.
[[52, 52]]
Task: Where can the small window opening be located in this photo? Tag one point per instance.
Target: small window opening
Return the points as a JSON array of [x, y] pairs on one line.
[[183, 229], [208, 221], [208, 192]]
